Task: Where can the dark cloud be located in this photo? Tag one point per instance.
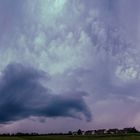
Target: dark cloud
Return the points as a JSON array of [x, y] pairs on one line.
[[22, 96]]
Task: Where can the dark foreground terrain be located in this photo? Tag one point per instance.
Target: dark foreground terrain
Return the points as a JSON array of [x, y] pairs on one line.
[[115, 137]]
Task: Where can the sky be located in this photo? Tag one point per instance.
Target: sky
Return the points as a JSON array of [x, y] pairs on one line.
[[69, 64]]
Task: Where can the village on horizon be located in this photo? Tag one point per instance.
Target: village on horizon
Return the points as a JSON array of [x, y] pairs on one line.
[[105, 131]]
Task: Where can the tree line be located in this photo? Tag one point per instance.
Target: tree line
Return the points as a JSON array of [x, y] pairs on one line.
[[80, 132]]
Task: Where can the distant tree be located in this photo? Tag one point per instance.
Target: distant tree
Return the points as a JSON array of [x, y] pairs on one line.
[[69, 133], [130, 130], [134, 130], [79, 132]]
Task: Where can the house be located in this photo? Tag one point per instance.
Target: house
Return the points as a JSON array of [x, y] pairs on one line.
[[100, 131], [74, 133], [83, 132], [79, 132], [122, 131], [113, 131], [90, 132]]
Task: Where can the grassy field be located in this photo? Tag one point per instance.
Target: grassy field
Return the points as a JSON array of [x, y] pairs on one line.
[[128, 137]]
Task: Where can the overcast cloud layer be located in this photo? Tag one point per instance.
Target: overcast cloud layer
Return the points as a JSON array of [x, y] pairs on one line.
[[76, 60]]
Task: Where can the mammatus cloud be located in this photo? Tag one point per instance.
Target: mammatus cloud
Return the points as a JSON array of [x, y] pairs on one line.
[[23, 96]]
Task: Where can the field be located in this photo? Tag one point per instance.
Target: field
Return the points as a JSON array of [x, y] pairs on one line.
[[125, 137]]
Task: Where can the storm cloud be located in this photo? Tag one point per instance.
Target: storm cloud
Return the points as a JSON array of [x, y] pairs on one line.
[[23, 96], [68, 59]]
